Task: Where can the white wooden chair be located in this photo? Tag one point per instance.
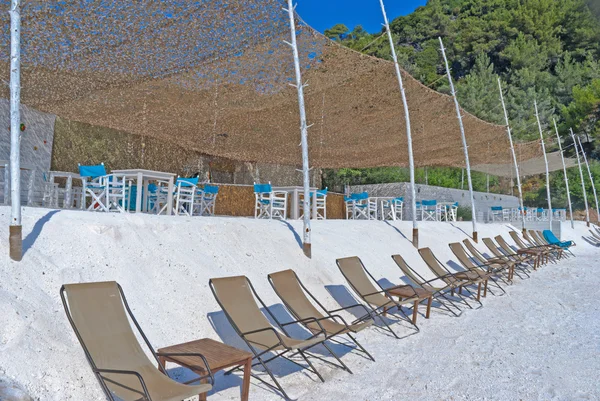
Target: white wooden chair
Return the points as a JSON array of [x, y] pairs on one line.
[[269, 204], [430, 210], [185, 191], [321, 204], [94, 180], [205, 201], [495, 213], [392, 209]]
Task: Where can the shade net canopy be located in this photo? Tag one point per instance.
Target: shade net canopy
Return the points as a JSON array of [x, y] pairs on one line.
[[214, 76], [529, 167]]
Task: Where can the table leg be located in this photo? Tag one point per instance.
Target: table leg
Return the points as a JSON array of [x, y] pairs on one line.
[[295, 207], [415, 312], [145, 197], [67, 202], [202, 396], [246, 382], [138, 198], [170, 197]]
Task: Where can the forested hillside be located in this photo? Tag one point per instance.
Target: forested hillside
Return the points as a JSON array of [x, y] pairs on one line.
[[547, 50]]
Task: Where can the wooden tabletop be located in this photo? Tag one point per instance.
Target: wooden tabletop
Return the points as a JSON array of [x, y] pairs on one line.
[[218, 355]]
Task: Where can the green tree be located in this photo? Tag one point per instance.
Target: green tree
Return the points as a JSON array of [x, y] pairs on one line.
[[336, 32]]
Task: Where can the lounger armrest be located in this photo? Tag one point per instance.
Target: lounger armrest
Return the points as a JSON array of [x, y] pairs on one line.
[[308, 320], [204, 361], [124, 372], [349, 307], [440, 278], [265, 329]]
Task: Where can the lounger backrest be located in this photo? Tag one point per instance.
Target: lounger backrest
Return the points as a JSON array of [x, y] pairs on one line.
[[432, 262], [286, 285], [541, 237], [504, 245], [354, 272], [462, 256], [407, 270], [100, 319], [529, 238], [532, 238], [474, 251], [515, 237], [492, 247], [236, 297]]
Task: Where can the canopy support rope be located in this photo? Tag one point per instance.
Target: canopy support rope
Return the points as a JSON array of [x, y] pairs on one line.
[[306, 243], [514, 155], [587, 210], [562, 156], [537, 116], [411, 162], [464, 140], [16, 234]]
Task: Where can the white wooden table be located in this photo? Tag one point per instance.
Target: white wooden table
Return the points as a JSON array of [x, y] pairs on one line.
[[143, 178], [295, 193]]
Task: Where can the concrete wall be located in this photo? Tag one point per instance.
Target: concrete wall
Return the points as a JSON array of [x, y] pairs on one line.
[[36, 147], [483, 201]]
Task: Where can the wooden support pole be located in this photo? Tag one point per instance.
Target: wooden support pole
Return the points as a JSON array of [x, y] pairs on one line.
[[562, 156], [537, 116], [411, 161], [464, 140], [587, 210], [306, 233], [15, 235], [514, 155]]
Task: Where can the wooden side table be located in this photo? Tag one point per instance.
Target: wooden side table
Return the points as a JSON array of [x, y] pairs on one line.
[[405, 292], [218, 355]]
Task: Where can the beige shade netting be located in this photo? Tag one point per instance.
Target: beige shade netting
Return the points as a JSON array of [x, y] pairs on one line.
[[215, 76]]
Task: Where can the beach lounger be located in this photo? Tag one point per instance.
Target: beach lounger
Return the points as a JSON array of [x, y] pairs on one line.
[[542, 252], [538, 239], [99, 315], [459, 280], [297, 299], [482, 259], [528, 256], [238, 300], [380, 300], [552, 240], [438, 292], [521, 258], [495, 269]]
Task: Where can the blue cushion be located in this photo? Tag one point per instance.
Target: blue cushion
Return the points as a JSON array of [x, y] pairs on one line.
[[496, 208], [263, 188], [92, 171], [187, 182], [211, 189], [429, 203]]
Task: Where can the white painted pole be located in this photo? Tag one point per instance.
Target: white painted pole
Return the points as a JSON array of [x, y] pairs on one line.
[[411, 161], [15, 236], [565, 170], [514, 155], [303, 132], [591, 179], [587, 210], [537, 116], [464, 141]]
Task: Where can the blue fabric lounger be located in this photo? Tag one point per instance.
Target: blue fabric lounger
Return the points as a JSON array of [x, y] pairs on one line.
[[551, 238]]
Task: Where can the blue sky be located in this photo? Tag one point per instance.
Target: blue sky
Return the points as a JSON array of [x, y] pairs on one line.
[[323, 14]]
